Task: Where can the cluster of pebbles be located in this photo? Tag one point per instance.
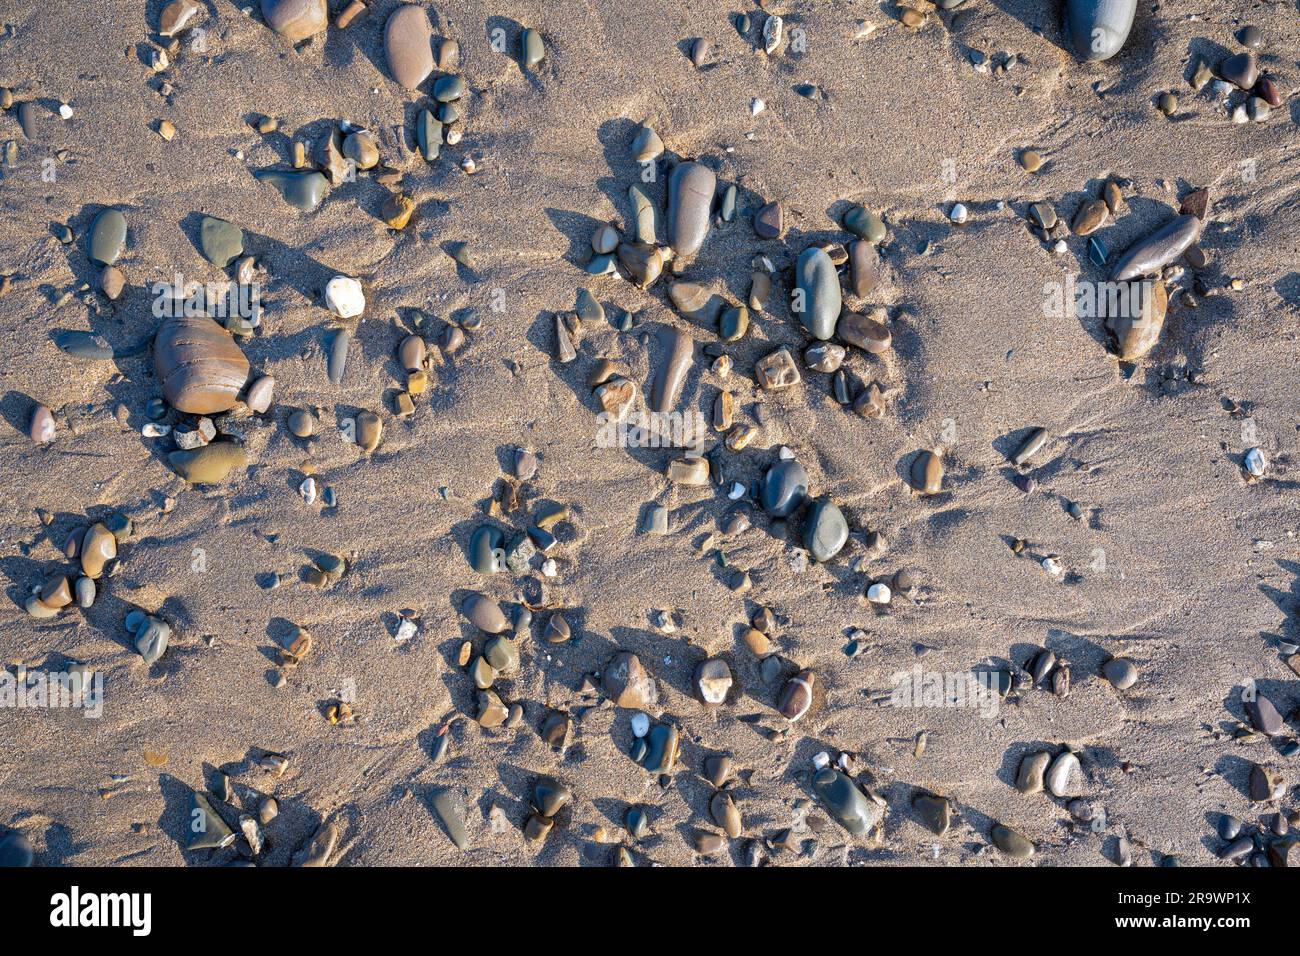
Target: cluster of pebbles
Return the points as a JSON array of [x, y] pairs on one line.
[[210, 390]]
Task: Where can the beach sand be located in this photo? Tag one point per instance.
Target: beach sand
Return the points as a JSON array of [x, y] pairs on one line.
[[1177, 562]]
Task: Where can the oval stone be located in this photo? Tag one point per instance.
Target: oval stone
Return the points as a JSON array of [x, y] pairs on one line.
[[690, 200], [817, 299], [485, 614], [825, 530], [295, 20], [97, 549], [201, 368], [107, 237], [208, 464]]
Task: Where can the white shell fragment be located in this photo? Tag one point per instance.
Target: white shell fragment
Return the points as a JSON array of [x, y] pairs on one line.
[[1256, 463]]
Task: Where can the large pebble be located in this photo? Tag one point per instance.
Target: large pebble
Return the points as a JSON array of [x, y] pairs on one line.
[[1139, 317], [845, 801], [295, 20], [485, 614], [1098, 28], [825, 530], [690, 201], [711, 681], [209, 464], [1158, 250], [408, 46], [816, 299], [675, 360], [1061, 774], [785, 486], [220, 242], [201, 367], [301, 188], [796, 697], [1011, 842], [107, 237], [626, 682], [41, 427]]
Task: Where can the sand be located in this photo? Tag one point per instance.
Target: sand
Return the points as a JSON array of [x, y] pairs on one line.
[[1178, 563]]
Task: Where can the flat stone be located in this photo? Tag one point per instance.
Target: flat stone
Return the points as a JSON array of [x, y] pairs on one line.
[[777, 371], [209, 464], [864, 267], [935, 812], [712, 681], [1264, 717], [816, 299], [845, 801], [867, 332], [445, 806], [220, 242], [647, 145], [301, 188], [1092, 215], [1121, 673], [691, 189], [825, 530], [769, 221], [626, 682], [295, 20], [206, 829], [107, 237], [1061, 774], [865, 224], [1241, 70]]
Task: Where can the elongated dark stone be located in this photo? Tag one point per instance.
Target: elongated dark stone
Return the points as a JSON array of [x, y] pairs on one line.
[[1099, 28], [690, 200], [338, 359], [670, 374], [1157, 250], [817, 298]]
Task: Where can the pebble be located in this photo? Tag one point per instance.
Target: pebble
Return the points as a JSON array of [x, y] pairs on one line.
[[448, 89], [1158, 250], [642, 260], [1092, 215], [532, 48], [935, 812], [867, 332], [428, 135], [303, 189], [784, 488], [27, 119], [825, 358], [295, 20], [772, 29], [201, 368], [725, 813], [676, 351], [1099, 28], [796, 696], [712, 681], [1255, 462], [647, 146], [260, 394], [626, 682], [1167, 103], [16, 851], [825, 530], [485, 614], [85, 592], [1029, 779], [361, 149], [927, 472], [1031, 160], [1264, 717], [777, 371], [817, 293], [769, 221], [1121, 673], [444, 805], [1265, 783], [1060, 775], [176, 16], [866, 225], [691, 188], [41, 428], [1134, 337], [345, 297], [879, 593], [663, 746], [1241, 70], [111, 282], [717, 769], [107, 237], [1011, 842], [220, 242], [845, 801], [640, 724], [209, 464]]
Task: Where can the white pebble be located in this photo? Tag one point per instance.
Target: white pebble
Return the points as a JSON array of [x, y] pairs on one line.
[[785, 453], [1052, 566], [737, 491], [1256, 464], [821, 760], [406, 630], [155, 430], [1060, 248], [549, 567], [345, 297], [879, 593], [959, 214], [308, 490], [1239, 115], [65, 111], [756, 107], [640, 724]]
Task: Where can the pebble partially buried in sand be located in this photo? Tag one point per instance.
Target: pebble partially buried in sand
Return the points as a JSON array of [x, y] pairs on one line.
[[1098, 29]]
